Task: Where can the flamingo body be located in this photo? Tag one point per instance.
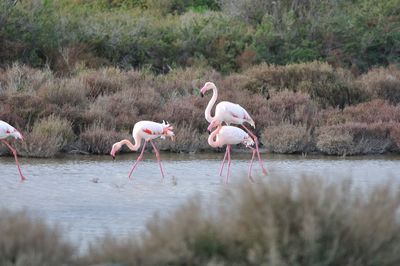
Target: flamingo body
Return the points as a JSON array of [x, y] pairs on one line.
[[232, 136], [8, 131], [229, 113], [147, 130], [229, 135]]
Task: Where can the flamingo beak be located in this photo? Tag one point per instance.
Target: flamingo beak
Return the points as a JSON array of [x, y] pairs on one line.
[[201, 94]]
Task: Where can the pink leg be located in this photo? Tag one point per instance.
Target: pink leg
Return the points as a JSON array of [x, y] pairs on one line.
[[158, 157], [223, 162], [138, 159], [228, 147], [258, 153], [251, 165], [14, 152]]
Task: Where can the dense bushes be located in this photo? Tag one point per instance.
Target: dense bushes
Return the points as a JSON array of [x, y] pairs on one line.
[[101, 107], [280, 222], [228, 35]]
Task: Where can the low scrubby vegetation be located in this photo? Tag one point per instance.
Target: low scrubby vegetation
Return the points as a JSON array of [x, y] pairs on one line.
[[294, 107], [306, 221]]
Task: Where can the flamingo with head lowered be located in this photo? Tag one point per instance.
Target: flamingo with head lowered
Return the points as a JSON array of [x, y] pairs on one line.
[[230, 113], [228, 135], [7, 131], [147, 130]]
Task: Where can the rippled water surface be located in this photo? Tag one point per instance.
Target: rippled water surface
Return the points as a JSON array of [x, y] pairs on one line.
[[90, 195]]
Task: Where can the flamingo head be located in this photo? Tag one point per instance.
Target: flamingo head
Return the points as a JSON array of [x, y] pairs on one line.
[[17, 135], [248, 142], [115, 147], [206, 87], [167, 131], [214, 123]]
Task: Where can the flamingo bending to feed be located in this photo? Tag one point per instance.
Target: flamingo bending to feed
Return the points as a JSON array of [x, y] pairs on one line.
[[228, 135], [230, 113], [148, 131], [6, 131]]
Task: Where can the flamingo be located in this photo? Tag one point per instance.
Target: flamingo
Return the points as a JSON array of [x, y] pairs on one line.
[[229, 135], [6, 130], [147, 130], [230, 113]]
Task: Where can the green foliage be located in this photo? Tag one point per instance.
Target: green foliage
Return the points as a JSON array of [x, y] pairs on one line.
[[164, 34]]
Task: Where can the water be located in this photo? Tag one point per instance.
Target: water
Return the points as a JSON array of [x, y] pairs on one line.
[[91, 195]]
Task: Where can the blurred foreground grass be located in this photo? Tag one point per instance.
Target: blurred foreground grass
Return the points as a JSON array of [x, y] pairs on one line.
[[307, 221]]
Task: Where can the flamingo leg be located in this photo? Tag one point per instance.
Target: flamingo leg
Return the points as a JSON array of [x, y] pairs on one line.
[[223, 162], [14, 152], [251, 165], [138, 159], [258, 152], [158, 157], [228, 148]]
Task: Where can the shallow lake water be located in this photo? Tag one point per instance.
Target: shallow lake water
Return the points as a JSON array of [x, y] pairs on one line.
[[92, 195]]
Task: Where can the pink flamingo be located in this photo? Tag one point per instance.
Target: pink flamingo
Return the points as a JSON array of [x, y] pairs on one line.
[[230, 113], [6, 131], [228, 135], [148, 131]]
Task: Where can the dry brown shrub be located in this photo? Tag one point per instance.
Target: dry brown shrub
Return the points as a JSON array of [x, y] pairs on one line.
[[47, 138], [287, 138], [184, 110], [104, 81], [382, 83], [355, 138], [291, 107], [124, 108], [326, 85], [183, 82], [22, 109], [98, 139], [30, 241], [371, 112], [68, 91], [24, 78], [187, 139], [279, 222]]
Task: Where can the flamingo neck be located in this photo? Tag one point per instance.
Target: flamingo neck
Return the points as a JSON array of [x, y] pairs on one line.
[[211, 104], [130, 145], [214, 143]]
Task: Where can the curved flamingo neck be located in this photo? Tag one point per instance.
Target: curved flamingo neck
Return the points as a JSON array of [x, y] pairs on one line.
[[214, 143], [130, 145], [210, 105]]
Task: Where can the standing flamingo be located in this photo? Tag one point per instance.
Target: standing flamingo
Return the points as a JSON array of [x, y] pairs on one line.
[[6, 131], [230, 113], [148, 131], [228, 135]]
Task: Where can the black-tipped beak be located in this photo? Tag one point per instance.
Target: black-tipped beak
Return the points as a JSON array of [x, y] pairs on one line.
[[201, 94], [113, 157], [209, 132]]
